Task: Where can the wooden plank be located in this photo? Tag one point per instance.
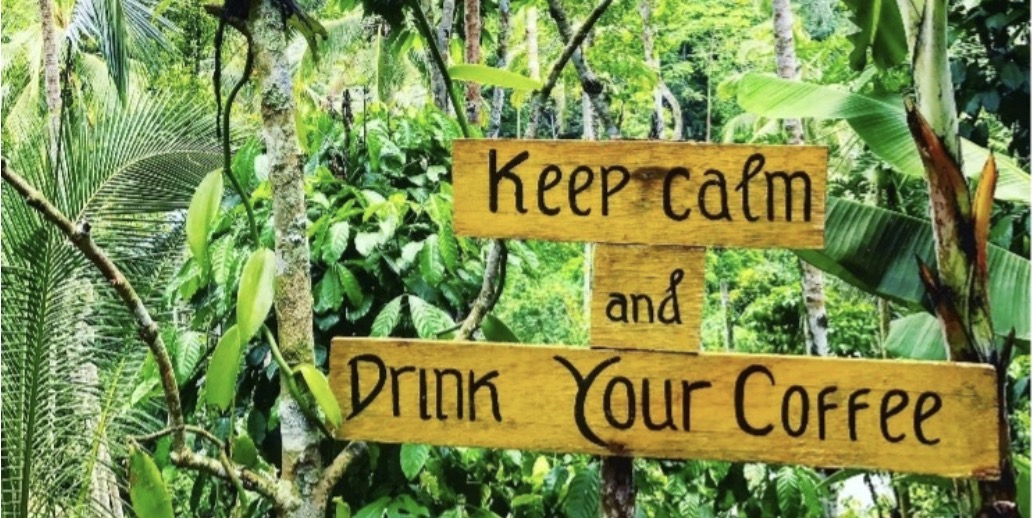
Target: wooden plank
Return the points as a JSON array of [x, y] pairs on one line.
[[645, 192], [922, 417], [647, 297]]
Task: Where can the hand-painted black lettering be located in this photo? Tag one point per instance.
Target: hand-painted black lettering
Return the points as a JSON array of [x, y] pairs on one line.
[[607, 193], [477, 384], [788, 180], [583, 385], [424, 413], [544, 185], [358, 404], [607, 403], [756, 162], [577, 189], [668, 203], [686, 401], [921, 414], [804, 411], [641, 297], [887, 411], [670, 301], [396, 373], [822, 409], [668, 403], [439, 375], [495, 177], [743, 423], [855, 405], [720, 183], [616, 309]]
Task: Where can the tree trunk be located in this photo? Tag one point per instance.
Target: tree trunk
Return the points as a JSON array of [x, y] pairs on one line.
[[51, 73], [729, 323], [473, 27], [302, 465], [618, 496], [661, 92], [812, 278], [675, 110], [587, 118], [533, 62], [440, 90], [498, 100]]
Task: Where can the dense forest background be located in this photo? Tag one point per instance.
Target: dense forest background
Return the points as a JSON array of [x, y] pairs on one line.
[[109, 112]]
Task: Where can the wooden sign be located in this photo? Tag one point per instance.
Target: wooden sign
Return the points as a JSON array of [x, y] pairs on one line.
[[647, 192], [647, 297], [921, 417]]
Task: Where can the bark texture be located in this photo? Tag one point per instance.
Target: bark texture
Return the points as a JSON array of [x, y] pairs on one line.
[[661, 92], [444, 28], [618, 492], [473, 29], [51, 72], [494, 126], [302, 465]]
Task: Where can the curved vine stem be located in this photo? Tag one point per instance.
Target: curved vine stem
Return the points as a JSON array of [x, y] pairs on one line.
[[226, 162], [435, 53]]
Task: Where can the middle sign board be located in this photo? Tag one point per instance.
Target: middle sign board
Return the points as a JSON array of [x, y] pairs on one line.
[[648, 192]]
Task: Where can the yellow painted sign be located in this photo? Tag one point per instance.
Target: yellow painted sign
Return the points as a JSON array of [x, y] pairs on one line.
[[647, 192], [921, 417], [647, 297]]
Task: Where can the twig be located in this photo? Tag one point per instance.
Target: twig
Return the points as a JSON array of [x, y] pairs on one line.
[[553, 76], [335, 471], [79, 235], [489, 290], [281, 497]]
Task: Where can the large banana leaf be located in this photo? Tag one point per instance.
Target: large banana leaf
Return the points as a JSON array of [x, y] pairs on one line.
[[917, 336], [880, 122], [876, 250], [126, 173]]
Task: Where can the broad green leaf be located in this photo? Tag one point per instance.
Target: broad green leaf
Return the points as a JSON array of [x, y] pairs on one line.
[[320, 389], [582, 496], [787, 487], [387, 319], [431, 266], [496, 331], [880, 122], [329, 294], [881, 30], [256, 293], [1021, 465], [917, 336], [428, 319], [341, 509], [336, 242], [413, 457], [404, 506], [190, 348], [875, 249], [374, 509], [147, 489], [448, 247], [491, 76], [220, 387], [244, 451], [204, 207], [350, 283]]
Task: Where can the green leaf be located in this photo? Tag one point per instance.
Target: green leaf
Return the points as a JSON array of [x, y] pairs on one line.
[[204, 207], [1021, 465], [220, 387], [341, 509], [496, 331], [256, 293], [190, 348], [582, 497], [448, 247], [431, 267], [880, 122], [413, 457], [244, 451], [875, 249], [320, 389], [881, 30], [374, 509], [350, 283], [787, 487], [147, 490], [329, 294], [427, 318], [917, 336], [336, 242], [387, 319], [491, 76]]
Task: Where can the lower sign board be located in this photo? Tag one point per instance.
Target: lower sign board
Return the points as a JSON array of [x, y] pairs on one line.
[[920, 417]]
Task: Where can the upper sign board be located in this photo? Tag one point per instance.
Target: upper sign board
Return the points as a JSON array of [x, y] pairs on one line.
[[923, 417], [644, 192]]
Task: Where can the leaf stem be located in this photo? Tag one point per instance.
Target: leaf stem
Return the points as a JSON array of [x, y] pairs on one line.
[[287, 374], [435, 53], [226, 162]]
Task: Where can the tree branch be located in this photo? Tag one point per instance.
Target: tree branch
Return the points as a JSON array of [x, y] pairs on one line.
[[490, 290], [336, 469], [79, 235], [589, 83], [280, 496]]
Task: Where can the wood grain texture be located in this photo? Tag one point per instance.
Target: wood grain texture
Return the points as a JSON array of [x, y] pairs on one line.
[[672, 194], [537, 401], [647, 297]]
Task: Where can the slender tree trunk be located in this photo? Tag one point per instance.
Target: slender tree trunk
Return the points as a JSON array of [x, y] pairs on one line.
[[675, 110], [661, 92], [729, 323], [618, 492], [812, 278], [302, 465], [498, 100], [51, 72], [440, 90], [473, 29], [533, 60]]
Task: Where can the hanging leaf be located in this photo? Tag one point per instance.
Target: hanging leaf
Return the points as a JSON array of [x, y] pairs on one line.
[[428, 319], [917, 336], [190, 348], [787, 487], [491, 76], [320, 390], [448, 247], [880, 122], [387, 319], [147, 490], [329, 294], [256, 293], [431, 266], [582, 497], [875, 249], [496, 331], [413, 457], [880, 30], [244, 451], [336, 242], [351, 286], [220, 387], [204, 207], [341, 509]]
